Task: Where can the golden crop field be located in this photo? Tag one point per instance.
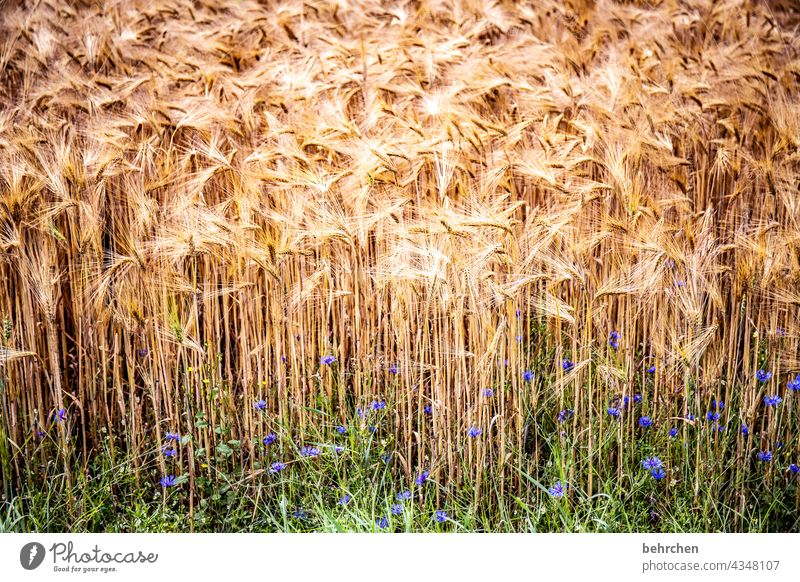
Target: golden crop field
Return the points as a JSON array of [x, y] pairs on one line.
[[265, 265]]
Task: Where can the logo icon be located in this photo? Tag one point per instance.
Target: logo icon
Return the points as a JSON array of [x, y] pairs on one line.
[[31, 555]]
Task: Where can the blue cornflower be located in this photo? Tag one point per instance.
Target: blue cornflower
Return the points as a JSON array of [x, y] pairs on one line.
[[680, 283], [779, 446], [168, 481], [327, 360], [614, 412], [60, 415], [565, 414], [441, 516], [673, 432], [658, 474], [772, 400], [794, 385], [338, 449], [341, 429], [651, 463], [527, 375], [169, 451], [651, 370], [269, 439], [427, 409], [386, 457], [260, 404], [277, 467], [404, 495], [142, 352], [625, 401], [745, 430], [763, 376], [794, 468], [567, 365], [373, 429], [690, 417], [720, 427], [613, 339], [474, 432], [637, 398], [518, 313], [717, 405], [488, 392], [299, 514], [396, 509], [361, 413], [382, 522], [645, 421], [712, 416], [558, 490], [344, 499], [378, 405], [393, 369], [309, 451], [420, 480], [284, 359], [765, 456], [173, 436]]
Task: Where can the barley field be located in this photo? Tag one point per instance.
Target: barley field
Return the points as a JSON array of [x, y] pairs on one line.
[[435, 265]]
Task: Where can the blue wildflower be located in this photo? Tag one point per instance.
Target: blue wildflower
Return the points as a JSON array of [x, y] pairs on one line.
[[690, 417], [373, 429], [651, 370], [299, 514], [673, 432], [712, 416], [745, 430], [338, 449], [794, 468], [341, 429], [765, 456], [382, 522], [567, 365], [613, 339], [518, 313], [386, 458], [474, 432], [344, 499], [763, 376], [142, 352], [488, 392], [658, 474], [60, 415], [527, 375], [614, 412], [772, 400], [269, 439], [565, 414], [260, 404], [645, 421], [378, 405], [404, 495], [393, 369], [396, 509], [169, 451], [277, 467], [717, 405], [441, 516], [794, 385], [651, 463], [309, 451], [420, 480], [327, 360], [637, 398], [558, 490], [173, 436], [361, 413], [168, 481], [427, 409]]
